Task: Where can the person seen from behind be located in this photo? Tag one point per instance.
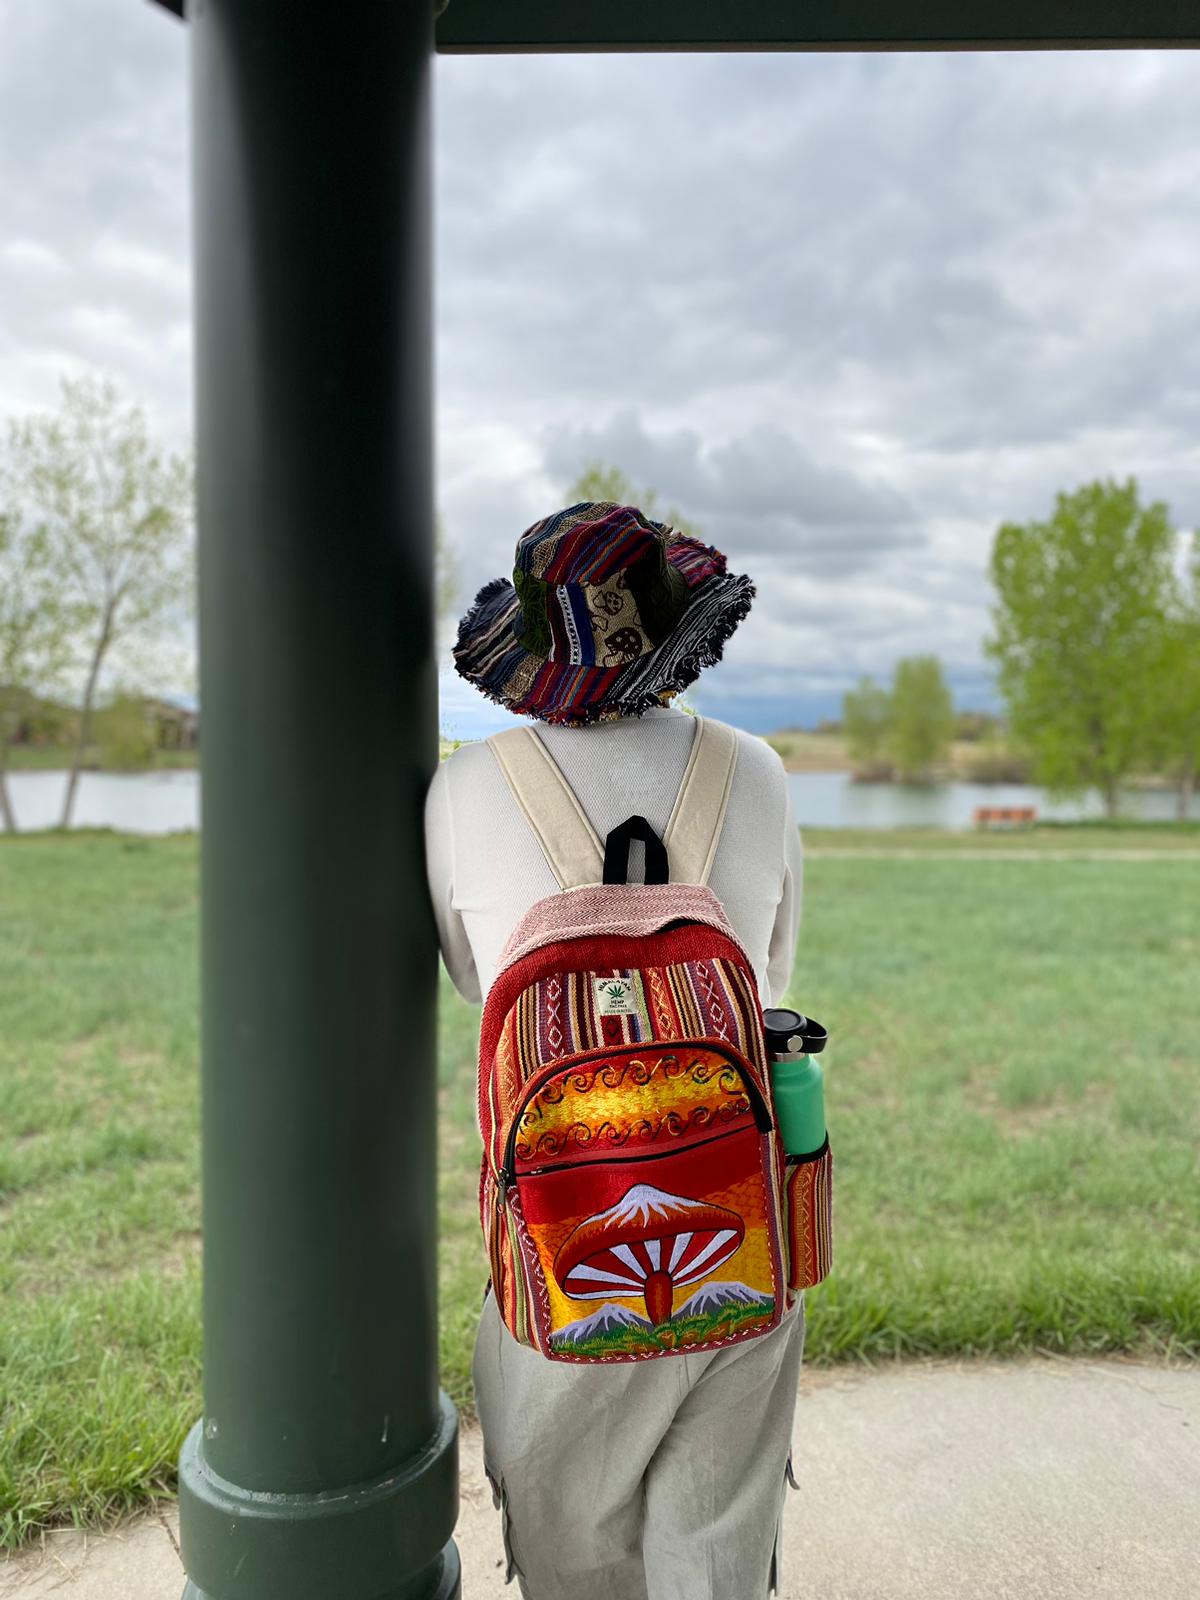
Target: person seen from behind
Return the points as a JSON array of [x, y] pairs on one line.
[[665, 1478]]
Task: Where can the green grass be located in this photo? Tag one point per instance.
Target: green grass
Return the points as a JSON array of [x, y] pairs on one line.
[[1048, 836], [1013, 1099], [58, 758], [721, 1323], [802, 751]]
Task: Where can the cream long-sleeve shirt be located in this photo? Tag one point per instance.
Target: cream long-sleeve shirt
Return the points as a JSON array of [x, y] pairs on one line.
[[486, 867]]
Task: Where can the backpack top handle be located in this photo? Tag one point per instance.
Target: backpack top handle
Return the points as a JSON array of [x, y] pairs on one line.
[[616, 852]]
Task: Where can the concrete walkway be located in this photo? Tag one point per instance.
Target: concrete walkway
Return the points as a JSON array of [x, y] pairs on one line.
[[982, 853], [1033, 1480]]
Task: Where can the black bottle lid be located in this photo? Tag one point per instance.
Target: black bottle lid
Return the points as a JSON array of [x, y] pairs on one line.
[[790, 1033]]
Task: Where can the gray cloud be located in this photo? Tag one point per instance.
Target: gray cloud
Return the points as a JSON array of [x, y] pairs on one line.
[[94, 268], [848, 313], [759, 494], [956, 247]]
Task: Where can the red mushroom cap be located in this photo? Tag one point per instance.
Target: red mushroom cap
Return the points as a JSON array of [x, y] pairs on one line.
[[647, 1231]]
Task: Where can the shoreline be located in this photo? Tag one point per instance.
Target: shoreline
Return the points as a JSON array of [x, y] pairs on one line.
[[808, 762]]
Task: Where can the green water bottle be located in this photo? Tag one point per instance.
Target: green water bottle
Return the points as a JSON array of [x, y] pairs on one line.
[[797, 1083]]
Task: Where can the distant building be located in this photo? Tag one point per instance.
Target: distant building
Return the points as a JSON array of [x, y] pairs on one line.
[[173, 721], [32, 719], [176, 721]]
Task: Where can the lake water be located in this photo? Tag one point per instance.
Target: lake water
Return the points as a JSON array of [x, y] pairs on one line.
[[142, 802], [834, 800], [162, 802]]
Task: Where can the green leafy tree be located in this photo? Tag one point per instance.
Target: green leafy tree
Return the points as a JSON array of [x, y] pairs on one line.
[[599, 481], [866, 721], [922, 717], [1173, 709], [116, 516], [975, 727], [124, 732], [35, 623], [448, 575], [1079, 613]]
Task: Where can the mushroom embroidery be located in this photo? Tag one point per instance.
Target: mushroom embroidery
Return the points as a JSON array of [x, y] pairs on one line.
[[622, 646], [649, 1243]]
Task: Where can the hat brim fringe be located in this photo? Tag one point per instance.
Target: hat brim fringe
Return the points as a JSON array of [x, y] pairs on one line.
[[685, 672], [490, 589]]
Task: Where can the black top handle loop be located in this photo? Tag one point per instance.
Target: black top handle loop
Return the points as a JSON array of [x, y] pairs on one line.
[[616, 852]]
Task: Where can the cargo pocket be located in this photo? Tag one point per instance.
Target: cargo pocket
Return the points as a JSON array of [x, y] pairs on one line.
[[500, 1501], [808, 1211], [776, 1578]]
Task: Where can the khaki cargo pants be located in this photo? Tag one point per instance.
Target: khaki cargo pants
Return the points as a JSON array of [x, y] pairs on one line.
[[651, 1480]]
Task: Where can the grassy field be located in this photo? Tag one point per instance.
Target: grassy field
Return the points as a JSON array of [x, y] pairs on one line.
[[969, 759], [800, 749], [1047, 838], [1013, 1101], [966, 760], [803, 750], [57, 758]]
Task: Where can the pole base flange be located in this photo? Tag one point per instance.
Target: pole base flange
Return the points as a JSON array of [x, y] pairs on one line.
[[443, 1582], [385, 1540]]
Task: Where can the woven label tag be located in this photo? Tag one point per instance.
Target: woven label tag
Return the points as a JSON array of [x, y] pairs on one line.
[[614, 997]]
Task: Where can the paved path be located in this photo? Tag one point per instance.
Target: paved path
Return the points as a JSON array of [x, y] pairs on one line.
[[1000, 853], [1032, 1480]]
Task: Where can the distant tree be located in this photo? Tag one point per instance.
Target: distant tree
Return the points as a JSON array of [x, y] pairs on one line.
[[1078, 618], [116, 517], [35, 623], [922, 719], [598, 481], [124, 732], [41, 720], [1173, 710], [972, 726], [866, 720], [448, 574]]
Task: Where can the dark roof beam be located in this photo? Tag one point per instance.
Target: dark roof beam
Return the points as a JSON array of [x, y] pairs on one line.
[[546, 26]]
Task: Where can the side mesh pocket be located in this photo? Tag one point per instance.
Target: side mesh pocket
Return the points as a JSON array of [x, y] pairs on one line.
[[808, 1213]]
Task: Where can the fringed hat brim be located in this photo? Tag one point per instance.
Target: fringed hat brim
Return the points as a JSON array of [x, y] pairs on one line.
[[490, 655]]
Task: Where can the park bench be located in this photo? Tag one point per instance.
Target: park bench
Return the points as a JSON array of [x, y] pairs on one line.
[[1004, 816]]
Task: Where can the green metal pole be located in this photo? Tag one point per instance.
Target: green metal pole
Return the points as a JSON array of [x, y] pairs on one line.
[[325, 1464]]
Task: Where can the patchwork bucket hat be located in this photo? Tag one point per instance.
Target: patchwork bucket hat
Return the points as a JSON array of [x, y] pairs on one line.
[[606, 612]]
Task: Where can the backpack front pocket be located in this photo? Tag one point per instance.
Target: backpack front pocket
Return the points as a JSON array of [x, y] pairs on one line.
[[640, 1187], [808, 1215]]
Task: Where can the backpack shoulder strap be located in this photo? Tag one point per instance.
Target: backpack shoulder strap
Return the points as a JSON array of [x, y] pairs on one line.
[[571, 845], [573, 848], [703, 799]]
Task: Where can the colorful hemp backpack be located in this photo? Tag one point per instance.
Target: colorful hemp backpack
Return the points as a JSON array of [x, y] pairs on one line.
[[635, 1197]]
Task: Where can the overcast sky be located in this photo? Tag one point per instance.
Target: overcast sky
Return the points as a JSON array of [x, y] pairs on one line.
[[847, 313]]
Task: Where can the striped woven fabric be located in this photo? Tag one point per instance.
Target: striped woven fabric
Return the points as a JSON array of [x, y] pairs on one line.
[[809, 1211], [629, 909], [606, 611]]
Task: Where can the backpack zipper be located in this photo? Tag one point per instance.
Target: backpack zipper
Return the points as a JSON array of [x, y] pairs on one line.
[[506, 1176], [610, 1161]]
